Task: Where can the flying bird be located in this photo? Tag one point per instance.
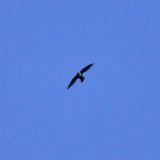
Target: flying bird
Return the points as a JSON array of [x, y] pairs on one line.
[[79, 75]]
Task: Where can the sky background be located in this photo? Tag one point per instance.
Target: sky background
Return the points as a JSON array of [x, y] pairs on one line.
[[114, 114]]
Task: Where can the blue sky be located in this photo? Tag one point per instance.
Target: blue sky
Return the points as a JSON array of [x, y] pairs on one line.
[[114, 114]]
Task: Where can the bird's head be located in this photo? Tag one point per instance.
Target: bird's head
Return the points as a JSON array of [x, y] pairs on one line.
[[79, 74]]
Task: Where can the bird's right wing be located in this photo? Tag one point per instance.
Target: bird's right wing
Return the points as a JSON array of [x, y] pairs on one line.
[[86, 68], [72, 81]]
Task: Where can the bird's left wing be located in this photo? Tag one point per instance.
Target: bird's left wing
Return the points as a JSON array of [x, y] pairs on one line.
[[72, 81], [86, 68]]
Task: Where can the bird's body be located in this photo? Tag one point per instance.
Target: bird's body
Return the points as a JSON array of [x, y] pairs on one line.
[[79, 75]]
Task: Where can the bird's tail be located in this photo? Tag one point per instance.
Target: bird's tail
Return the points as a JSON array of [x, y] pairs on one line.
[[82, 78]]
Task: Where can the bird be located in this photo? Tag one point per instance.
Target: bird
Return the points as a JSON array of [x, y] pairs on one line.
[[79, 75]]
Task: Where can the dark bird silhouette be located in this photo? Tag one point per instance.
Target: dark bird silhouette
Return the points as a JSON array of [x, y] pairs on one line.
[[80, 75]]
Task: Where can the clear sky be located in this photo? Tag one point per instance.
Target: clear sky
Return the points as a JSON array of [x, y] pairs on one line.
[[114, 114]]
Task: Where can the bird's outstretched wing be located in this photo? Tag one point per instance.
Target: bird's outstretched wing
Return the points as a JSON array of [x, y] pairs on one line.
[[86, 68], [72, 81]]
